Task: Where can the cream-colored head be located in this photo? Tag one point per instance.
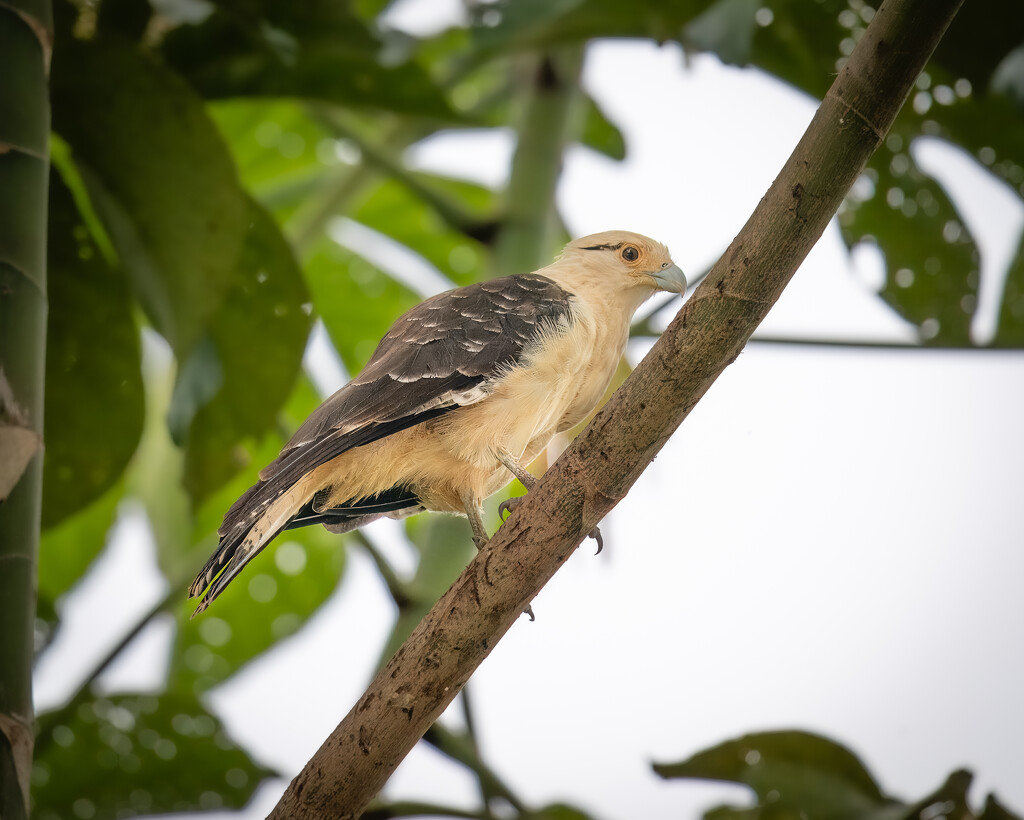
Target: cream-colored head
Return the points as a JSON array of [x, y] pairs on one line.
[[620, 258]]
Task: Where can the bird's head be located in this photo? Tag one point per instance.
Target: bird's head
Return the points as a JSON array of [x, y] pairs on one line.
[[634, 259]]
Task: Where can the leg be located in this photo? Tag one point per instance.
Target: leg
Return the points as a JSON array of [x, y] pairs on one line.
[[528, 481], [517, 469], [476, 520]]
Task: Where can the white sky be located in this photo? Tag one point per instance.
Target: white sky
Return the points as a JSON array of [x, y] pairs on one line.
[[831, 541]]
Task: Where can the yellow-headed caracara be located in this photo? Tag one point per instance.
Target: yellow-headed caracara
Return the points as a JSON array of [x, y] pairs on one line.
[[466, 389]]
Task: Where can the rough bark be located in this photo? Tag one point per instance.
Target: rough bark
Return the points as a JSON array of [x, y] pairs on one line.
[[597, 470], [25, 44]]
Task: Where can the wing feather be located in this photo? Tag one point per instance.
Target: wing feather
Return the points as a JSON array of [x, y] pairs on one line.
[[444, 353]]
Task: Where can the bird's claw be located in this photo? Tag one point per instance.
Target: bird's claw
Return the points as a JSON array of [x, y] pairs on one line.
[[508, 506]]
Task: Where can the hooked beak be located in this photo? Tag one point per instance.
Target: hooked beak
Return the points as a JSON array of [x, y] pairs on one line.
[[671, 279]]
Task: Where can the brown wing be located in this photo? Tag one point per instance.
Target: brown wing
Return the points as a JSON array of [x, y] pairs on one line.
[[444, 353]]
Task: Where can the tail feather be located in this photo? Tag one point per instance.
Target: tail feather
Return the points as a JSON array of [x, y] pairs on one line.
[[250, 524], [224, 565], [258, 517]]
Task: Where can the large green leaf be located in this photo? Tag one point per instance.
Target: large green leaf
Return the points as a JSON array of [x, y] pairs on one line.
[[792, 773], [268, 602], [1010, 330], [395, 210], [357, 301], [159, 176], [932, 264], [94, 406], [276, 593], [801, 44], [257, 339], [284, 155], [515, 24], [317, 50], [994, 810], [129, 755], [977, 40]]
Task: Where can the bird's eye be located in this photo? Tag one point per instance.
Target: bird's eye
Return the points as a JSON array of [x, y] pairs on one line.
[[630, 254]]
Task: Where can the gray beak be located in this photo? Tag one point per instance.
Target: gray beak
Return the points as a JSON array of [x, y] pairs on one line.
[[671, 279]]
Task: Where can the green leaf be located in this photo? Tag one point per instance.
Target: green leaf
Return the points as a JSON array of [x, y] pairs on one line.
[[931, 259], [557, 811], [270, 601], [517, 25], [1010, 330], [154, 477], [792, 773], [307, 50], [94, 407], [280, 150], [950, 797], [394, 210], [600, 133], [726, 28], [158, 175], [801, 45], [276, 593], [980, 36], [357, 302], [256, 342], [994, 810], [990, 128], [139, 754]]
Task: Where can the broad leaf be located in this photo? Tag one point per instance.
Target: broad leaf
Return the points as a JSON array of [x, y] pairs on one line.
[[994, 810], [257, 339], [139, 754], [159, 176], [356, 300], [792, 774], [284, 155], [396, 211], [276, 593], [1010, 330], [94, 402], [268, 602], [315, 51], [932, 264], [518, 25]]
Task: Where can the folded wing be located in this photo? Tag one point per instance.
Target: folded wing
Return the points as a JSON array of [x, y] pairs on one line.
[[445, 353]]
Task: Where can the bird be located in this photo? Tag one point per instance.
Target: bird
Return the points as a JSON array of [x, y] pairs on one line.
[[465, 390]]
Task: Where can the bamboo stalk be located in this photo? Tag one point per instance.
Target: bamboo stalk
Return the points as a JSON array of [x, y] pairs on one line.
[[25, 44]]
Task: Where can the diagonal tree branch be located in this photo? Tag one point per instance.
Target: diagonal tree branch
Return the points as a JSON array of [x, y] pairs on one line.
[[600, 466]]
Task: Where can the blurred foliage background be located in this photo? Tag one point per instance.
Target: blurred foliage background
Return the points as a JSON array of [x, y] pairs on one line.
[[207, 157]]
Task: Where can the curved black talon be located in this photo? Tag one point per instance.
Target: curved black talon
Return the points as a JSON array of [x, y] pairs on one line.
[[596, 535], [508, 506]]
